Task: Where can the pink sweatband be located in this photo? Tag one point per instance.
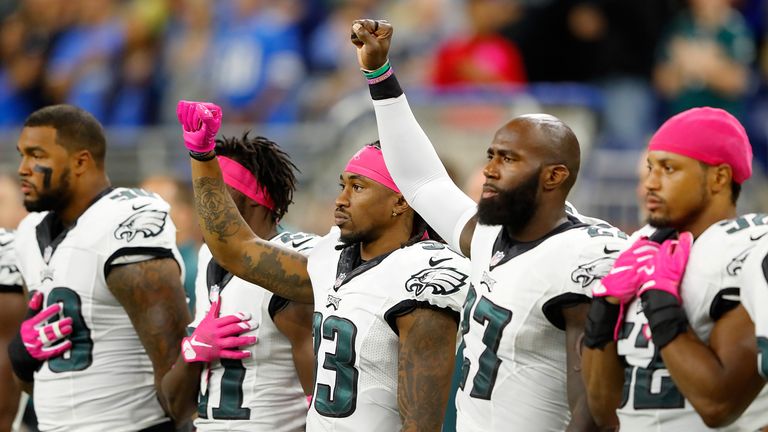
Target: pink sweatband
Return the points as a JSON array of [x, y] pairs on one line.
[[240, 178], [369, 162], [709, 135]]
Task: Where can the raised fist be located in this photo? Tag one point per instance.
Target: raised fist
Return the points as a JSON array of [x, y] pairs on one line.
[[372, 39], [200, 122]]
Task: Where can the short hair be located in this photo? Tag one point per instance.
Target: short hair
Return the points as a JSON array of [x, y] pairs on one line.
[[271, 166], [76, 129]]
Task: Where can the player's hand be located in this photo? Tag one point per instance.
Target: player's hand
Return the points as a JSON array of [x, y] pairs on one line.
[[200, 122], [669, 266], [218, 337], [629, 272], [372, 39], [44, 341]]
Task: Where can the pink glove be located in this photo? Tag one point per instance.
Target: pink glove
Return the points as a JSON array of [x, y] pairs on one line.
[[215, 337], [626, 276], [629, 272], [669, 266], [38, 337], [200, 122]]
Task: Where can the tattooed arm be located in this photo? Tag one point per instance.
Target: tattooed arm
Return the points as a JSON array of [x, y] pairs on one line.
[[425, 367], [152, 296], [236, 248]]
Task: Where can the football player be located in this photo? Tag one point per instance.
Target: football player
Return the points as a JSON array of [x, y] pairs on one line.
[[107, 311], [386, 298], [754, 298], [533, 260], [685, 355], [12, 307], [257, 388]]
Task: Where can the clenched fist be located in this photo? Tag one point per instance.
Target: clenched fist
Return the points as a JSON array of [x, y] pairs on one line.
[[372, 39]]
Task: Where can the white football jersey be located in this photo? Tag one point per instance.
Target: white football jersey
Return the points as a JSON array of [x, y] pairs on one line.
[[356, 338], [106, 381], [514, 367], [10, 277], [709, 289], [754, 297], [261, 392]]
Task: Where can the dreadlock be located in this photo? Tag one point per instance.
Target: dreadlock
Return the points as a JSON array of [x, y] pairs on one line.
[[271, 166], [420, 226]]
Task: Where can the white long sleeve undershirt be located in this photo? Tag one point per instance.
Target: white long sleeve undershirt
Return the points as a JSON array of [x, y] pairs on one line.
[[419, 173]]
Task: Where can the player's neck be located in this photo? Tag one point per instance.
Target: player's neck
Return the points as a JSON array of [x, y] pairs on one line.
[[544, 220], [710, 216], [82, 198], [387, 242]]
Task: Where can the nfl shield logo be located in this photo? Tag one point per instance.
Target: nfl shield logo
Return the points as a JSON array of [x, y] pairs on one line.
[[498, 256]]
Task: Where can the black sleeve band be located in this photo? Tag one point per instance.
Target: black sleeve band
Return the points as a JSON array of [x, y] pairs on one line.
[[276, 304], [666, 317], [155, 252], [601, 323], [24, 365], [553, 308], [407, 306], [725, 301], [387, 89], [11, 289]]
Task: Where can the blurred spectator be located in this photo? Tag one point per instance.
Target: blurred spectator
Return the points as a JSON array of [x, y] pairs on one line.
[[257, 61], [134, 94], [188, 45], [12, 210], [80, 69], [705, 59], [614, 43], [179, 196], [482, 55], [26, 36]]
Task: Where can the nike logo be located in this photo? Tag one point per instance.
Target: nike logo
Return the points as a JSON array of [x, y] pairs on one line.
[[753, 238], [196, 342], [299, 244], [2, 244], [433, 262], [139, 207], [609, 251]]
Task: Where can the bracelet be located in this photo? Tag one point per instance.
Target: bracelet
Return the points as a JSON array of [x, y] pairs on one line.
[[202, 156], [378, 72]]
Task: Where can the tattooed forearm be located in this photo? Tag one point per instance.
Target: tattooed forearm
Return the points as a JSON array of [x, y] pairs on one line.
[[426, 359], [216, 210], [272, 270], [152, 296]]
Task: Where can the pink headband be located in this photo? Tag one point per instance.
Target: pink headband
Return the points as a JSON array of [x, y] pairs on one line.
[[709, 135], [240, 178], [369, 162]]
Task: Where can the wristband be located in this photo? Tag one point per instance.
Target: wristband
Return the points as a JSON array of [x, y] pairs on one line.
[[378, 72], [202, 156], [601, 322], [666, 318]]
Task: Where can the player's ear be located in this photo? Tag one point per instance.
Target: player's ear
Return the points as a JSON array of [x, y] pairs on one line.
[[401, 206], [553, 176], [719, 178], [81, 161]]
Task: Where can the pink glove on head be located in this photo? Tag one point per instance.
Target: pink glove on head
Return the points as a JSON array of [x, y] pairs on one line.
[[669, 266], [214, 338], [40, 338], [200, 122]]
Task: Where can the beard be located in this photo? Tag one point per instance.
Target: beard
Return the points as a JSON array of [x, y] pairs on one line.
[[51, 199], [511, 208]]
